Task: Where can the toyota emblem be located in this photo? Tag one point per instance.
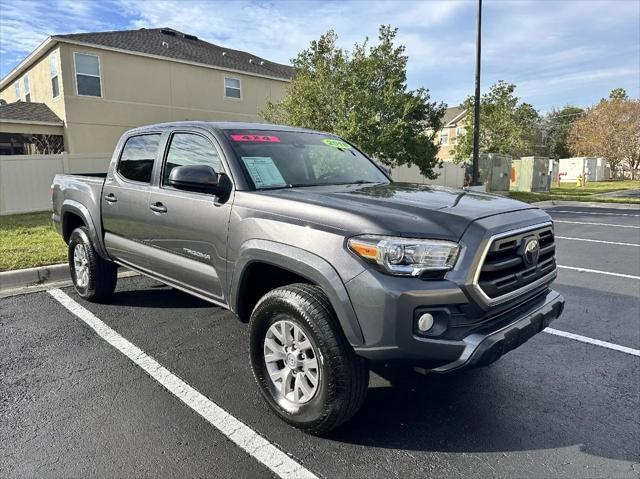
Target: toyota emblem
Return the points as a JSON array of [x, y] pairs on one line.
[[531, 252]]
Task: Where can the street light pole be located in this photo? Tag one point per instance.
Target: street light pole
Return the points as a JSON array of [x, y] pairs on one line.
[[475, 178]]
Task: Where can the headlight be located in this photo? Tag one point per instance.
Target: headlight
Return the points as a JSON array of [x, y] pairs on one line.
[[406, 256]]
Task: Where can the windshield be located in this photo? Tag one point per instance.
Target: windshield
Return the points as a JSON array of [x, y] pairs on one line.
[[290, 159]]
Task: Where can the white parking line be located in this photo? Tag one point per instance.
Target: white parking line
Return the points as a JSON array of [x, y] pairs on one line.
[[597, 271], [597, 224], [597, 342], [596, 241], [591, 213], [242, 435]]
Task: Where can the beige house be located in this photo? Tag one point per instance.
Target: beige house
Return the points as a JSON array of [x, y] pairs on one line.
[[97, 85], [453, 126]]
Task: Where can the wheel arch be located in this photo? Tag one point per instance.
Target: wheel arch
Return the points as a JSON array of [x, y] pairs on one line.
[[74, 215], [297, 264]]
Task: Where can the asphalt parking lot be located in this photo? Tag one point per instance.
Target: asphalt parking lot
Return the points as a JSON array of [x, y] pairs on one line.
[[72, 404]]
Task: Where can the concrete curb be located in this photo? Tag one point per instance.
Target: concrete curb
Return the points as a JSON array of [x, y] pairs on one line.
[[30, 280], [22, 278], [587, 204]]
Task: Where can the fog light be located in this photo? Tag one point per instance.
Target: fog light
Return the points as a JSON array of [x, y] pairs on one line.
[[425, 322]]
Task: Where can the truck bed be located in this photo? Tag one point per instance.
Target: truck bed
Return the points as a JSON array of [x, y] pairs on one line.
[[80, 195], [89, 175]]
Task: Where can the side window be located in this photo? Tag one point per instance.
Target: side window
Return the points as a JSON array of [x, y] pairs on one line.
[[138, 155], [190, 149], [53, 68], [232, 88], [88, 81], [27, 89]]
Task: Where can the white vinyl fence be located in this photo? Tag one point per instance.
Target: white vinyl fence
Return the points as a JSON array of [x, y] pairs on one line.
[[25, 180], [449, 174]]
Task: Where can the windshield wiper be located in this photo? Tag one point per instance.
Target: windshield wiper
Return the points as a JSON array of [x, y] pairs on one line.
[[359, 182], [302, 185]]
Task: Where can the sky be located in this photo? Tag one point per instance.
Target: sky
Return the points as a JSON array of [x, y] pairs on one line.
[[557, 52]]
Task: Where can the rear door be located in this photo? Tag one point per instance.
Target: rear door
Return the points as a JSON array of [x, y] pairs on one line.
[[189, 231], [125, 200]]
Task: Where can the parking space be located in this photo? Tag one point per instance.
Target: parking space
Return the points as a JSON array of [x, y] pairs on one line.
[[600, 305], [73, 405]]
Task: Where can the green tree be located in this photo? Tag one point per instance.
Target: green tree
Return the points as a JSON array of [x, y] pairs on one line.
[[618, 94], [362, 96], [506, 125], [557, 124]]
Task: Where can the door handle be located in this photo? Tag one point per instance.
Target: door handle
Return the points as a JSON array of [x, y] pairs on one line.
[[158, 207], [111, 198]]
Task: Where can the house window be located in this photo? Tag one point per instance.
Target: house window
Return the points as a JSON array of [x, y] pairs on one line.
[[27, 91], [17, 87], [444, 137], [87, 74], [53, 67], [232, 88]]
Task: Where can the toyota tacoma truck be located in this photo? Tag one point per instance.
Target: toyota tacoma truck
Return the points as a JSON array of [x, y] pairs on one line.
[[333, 265]]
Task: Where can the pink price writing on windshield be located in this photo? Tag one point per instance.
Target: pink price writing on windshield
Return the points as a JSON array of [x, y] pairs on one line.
[[256, 138]]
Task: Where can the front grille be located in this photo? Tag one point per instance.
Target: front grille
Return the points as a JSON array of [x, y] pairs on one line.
[[507, 267]]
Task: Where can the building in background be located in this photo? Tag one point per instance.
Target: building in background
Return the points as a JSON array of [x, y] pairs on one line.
[[449, 173], [88, 88], [28, 128], [453, 126]]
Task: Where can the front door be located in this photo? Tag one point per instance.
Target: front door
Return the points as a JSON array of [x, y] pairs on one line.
[[190, 229], [125, 200]]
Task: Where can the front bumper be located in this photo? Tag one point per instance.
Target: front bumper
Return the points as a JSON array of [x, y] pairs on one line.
[[486, 343]]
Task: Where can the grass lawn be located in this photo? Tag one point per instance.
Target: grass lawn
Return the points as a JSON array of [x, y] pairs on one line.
[[27, 240], [571, 192]]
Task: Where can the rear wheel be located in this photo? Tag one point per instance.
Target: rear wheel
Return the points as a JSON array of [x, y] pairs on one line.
[[305, 368], [94, 278]]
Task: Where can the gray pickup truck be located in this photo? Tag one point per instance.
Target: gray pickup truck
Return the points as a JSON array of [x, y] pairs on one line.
[[333, 265]]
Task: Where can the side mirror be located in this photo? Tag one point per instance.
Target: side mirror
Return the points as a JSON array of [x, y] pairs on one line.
[[198, 178]]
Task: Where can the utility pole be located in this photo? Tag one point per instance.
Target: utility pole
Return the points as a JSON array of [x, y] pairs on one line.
[[475, 178]]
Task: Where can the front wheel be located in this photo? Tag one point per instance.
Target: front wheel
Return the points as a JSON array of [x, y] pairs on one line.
[[94, 278], [305, 368]]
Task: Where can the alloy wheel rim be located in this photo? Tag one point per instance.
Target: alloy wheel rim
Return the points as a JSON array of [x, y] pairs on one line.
[[291, 361], [81, 265]]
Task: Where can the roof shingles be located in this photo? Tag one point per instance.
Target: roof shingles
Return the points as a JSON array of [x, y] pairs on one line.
[[169, 43], [28, 111], [450, 114]]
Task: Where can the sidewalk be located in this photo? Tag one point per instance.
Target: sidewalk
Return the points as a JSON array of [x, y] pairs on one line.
[[587, 204]]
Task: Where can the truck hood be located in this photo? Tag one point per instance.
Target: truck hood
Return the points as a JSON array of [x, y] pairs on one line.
[[402, 209]]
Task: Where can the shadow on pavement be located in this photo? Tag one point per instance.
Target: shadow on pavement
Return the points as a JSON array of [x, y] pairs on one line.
[[481, 410], [157, 297]]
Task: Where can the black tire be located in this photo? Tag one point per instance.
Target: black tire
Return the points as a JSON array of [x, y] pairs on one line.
[[344, 376], [102, 274]]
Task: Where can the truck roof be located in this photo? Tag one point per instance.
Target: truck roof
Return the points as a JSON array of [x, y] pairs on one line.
[[221, 125]]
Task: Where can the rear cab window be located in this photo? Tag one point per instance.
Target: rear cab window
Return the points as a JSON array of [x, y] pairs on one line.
[[137, 157]]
